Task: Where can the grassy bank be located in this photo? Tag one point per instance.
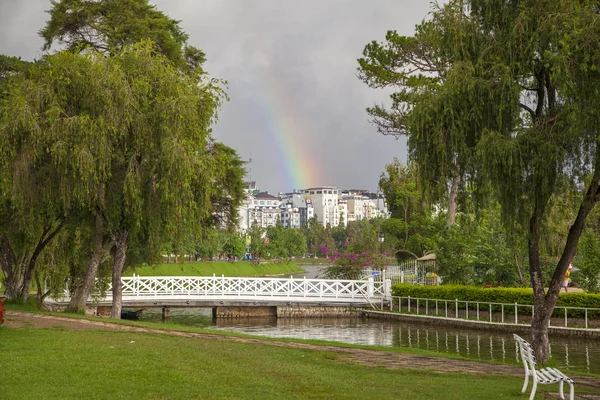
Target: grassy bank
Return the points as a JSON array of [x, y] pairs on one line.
[[60, 364], [208, 268]]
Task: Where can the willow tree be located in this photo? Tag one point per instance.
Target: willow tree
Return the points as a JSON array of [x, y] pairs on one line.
[[160, 171], [505, 90], [131, 124], [31, 214], [108, 27]]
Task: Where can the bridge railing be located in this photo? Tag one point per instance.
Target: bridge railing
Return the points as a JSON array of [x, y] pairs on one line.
[[221, 286]]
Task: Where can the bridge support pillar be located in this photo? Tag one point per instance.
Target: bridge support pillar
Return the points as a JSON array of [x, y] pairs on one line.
[[166, 314]]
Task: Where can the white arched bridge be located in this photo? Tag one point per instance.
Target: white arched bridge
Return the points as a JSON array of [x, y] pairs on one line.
[[141, 291]]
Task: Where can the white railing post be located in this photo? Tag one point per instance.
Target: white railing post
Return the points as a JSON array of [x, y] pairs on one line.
[[388, 289], [370, 288], [456, 308], [305, 287]]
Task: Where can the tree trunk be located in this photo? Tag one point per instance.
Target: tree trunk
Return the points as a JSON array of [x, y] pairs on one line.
[[544, 303], [47, 235], [541, 316], [13, 284], [520, 272], [118, 264], [10, 269], [453, 200], [85, 285]]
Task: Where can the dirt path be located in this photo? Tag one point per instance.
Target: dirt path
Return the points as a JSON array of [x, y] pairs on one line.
[[368, 358]]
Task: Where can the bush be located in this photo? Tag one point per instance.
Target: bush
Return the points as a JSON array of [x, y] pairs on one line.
[[588, 263], [2, 311], [496, 295]]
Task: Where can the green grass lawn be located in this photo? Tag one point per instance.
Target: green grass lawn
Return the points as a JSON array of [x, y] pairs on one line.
[[61, 364], [208, 268]]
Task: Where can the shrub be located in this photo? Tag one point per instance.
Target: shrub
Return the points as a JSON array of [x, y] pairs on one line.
[[2, 311]]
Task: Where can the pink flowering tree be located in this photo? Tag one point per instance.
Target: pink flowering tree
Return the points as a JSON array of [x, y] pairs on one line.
[[324, 251], [351, 265]]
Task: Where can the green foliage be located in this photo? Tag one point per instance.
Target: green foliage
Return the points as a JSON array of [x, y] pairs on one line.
[[340, 237], [363, 235], [110, 26], [413, 225], [285, 242], [316, 236], [236, 246], [478, 250], [588, 263], [257, 240], [227, 192], [211, 242], [502, 95]]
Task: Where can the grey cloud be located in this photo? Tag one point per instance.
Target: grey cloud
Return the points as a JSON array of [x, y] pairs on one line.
[[306, 50]]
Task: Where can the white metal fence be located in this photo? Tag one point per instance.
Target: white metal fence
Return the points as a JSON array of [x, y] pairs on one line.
[[503, 313], [411, 271]]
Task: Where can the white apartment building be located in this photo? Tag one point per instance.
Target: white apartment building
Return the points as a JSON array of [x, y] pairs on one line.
[[295, 209], [363, 204], [325, 204], [343, 212], [265, 210]]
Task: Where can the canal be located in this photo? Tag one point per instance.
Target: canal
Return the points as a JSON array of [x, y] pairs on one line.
[[568, 353]]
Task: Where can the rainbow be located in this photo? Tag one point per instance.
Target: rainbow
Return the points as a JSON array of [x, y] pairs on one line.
[[288, 134]]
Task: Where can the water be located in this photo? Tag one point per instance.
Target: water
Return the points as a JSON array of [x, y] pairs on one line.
[[568, 353]]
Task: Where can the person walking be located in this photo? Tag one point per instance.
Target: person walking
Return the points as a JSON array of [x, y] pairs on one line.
[[567, 277]]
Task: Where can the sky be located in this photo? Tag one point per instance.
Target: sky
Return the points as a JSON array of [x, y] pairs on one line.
[[296, 108]]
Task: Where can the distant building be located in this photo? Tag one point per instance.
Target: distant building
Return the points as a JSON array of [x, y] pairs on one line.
[[363, 204], [329, 204], [296, 209], [244, 221], [325, 203], [265, 210]]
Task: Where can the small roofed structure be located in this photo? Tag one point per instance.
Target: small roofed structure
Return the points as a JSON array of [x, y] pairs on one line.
[[428, 257]]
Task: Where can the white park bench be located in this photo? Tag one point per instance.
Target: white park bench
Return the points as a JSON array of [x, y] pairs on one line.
[[544, 376]]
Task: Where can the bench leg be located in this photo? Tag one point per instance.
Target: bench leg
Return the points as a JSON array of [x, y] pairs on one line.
[[560, 390], [533, 389], [571, 391], [526, 382]]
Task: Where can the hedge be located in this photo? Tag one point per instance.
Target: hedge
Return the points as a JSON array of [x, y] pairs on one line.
[[494, 295]]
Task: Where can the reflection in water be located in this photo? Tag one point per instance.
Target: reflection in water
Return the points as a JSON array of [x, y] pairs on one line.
[[583, 355]]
